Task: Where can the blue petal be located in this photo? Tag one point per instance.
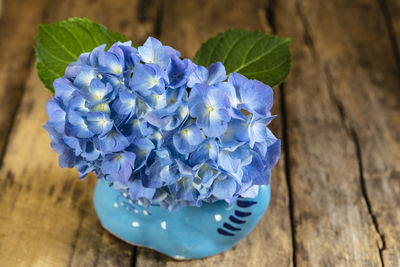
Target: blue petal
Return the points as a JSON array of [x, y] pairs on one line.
[[156, 101], [198, 76], [273, 154], [101, 107], [216, 129], [142, 148], [110, 63], [229, 91], [224, 187], [119, 165], [148, 79], [90, 152], [77, 126], [255, 171], [159, 173], [125, 104], [216, 73], [78, 103], [156, 138], [85, 76], [116, 49], [136, 128], [67, 159], [251, 192], [227, 162], [234, 100], [258, 131], [137, 190], [207, 173], [74, 143], [56, 115], [73, 70], [213, 74], [218, 99], [114, 141], [67, 156], [116, 82], [256, 97], [200, 110], [158, 118], [207, 150], [236, 133], [63, 90], [96, 91], [83, 168], [178, 118], [99, 123], [183, 168], [94, 55], [211, 107], [178, 71], [153, 51], [187, 139], [175, 98]]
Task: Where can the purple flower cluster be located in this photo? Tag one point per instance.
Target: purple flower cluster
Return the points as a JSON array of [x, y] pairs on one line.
[[126, 115]]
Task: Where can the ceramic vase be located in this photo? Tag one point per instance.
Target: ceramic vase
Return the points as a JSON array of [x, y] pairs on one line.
[[188, 233]]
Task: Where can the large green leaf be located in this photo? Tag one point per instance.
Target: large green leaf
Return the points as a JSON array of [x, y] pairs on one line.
[[256, 55], [58, 44]]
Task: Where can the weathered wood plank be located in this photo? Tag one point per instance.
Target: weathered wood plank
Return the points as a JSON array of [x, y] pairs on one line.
[[47, 217], [186, 25], [391, 15], [368, 93], [343, 130], [1, 8], [16, 46], [137, 19]]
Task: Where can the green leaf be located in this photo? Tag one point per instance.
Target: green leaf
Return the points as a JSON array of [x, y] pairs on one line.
[[59, 44], [255, 55]]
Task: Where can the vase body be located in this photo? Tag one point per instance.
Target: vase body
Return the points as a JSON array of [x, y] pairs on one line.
[[188, 233]]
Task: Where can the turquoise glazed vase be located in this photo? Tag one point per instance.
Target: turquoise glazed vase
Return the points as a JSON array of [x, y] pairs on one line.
[[188, 233]]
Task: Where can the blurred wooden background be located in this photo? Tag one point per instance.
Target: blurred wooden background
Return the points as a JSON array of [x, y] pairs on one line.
[[336, 189]]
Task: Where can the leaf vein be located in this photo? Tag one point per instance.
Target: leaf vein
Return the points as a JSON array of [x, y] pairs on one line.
[[232, 46], [269, 51], [73, 35], [213, 50], [250, 48], [60, 44], [56, 57], [266, 70]]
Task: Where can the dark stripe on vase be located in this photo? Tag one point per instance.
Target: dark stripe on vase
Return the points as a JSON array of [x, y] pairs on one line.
[[223, 232], [230, 227], [245, 203], [242, 213], [236, 220]]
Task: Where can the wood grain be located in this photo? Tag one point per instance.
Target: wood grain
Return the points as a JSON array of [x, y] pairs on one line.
[[390, 12], [47, 216], [343, 126], [367, 92], [339, 113], [270, 244], [16, 46]]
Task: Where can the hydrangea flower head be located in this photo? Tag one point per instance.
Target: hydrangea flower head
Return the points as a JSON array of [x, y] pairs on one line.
[[126, 114]]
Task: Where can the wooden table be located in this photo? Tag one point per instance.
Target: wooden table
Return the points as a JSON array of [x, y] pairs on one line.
[[336, 189]]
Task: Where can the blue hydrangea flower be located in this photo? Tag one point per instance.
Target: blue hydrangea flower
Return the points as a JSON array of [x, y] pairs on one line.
[[211, 107], [161, 128], [154, 52], [119, 165], [148, 79], [214, 74], [250, 95]]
